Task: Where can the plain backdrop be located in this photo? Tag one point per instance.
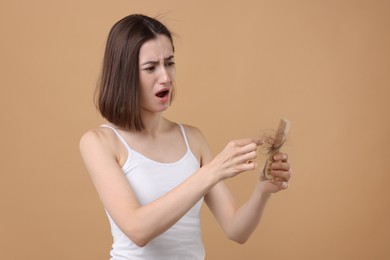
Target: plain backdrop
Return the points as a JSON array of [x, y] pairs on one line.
[[241, 65]]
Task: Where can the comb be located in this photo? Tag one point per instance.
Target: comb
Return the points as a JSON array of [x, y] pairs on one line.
[[276, 145]]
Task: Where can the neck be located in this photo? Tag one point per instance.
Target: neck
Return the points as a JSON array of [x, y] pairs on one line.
[[152, 122]]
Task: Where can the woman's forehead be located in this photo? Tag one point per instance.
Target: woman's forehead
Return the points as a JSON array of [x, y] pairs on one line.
[[156, 49]]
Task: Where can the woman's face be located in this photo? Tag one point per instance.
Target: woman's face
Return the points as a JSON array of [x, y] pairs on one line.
[[157, 73]]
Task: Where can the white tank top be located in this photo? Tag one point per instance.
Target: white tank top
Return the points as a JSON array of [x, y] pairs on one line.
[[150, 180]]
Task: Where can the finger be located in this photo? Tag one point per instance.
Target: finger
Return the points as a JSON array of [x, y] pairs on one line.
[[244, 142], [281, 157], [282, 166], [281, 184], [247, 157], [246, 166], [281, 175], [247, 149]]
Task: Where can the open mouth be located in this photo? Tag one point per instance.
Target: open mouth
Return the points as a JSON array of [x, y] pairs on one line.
[[162, 94]]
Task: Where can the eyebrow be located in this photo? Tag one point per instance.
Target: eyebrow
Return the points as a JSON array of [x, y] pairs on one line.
[[156, 62]]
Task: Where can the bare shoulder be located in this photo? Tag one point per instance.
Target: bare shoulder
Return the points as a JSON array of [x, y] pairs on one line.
[[100, 138], [198, 143], [95, 136], [194, 134]]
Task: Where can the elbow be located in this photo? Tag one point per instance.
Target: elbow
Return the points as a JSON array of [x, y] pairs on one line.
[[139, 231], [140, 243], [238, 240], [138, 237]]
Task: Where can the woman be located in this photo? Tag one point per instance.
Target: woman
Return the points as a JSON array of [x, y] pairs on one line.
[[153, 174]]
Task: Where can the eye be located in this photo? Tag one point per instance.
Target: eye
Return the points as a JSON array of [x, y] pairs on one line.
[[150, 69], [170, 64]]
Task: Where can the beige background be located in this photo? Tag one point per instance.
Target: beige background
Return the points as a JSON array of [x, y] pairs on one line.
[[241, 66]]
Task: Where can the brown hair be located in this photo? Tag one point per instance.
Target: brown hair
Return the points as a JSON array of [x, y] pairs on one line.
[[118, 95]]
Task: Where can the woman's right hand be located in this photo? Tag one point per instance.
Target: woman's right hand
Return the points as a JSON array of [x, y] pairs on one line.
[[238, 156]]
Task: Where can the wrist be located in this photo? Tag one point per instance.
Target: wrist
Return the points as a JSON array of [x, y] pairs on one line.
[[209, 175], [264, 193]]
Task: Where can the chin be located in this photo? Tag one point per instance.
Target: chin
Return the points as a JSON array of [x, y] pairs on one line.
[[158, 109]]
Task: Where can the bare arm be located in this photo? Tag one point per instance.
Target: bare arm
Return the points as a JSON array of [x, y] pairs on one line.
[[143, 223], [239, 224]]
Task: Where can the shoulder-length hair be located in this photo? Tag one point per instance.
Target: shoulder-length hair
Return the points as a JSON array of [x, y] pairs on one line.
[[118, 94]]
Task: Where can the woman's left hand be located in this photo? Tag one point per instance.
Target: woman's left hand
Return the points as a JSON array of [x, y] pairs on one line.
[[281, 172]]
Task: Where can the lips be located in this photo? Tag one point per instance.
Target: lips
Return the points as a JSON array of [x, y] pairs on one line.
[[162, 93]]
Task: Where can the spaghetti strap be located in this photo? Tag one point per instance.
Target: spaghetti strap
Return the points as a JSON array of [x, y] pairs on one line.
[[128, 147], [185, 137], [119, 135]]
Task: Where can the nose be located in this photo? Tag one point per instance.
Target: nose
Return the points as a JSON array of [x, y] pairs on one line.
[[165, 76]]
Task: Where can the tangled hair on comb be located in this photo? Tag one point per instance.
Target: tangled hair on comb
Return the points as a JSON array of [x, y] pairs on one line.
[[272, 141]]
